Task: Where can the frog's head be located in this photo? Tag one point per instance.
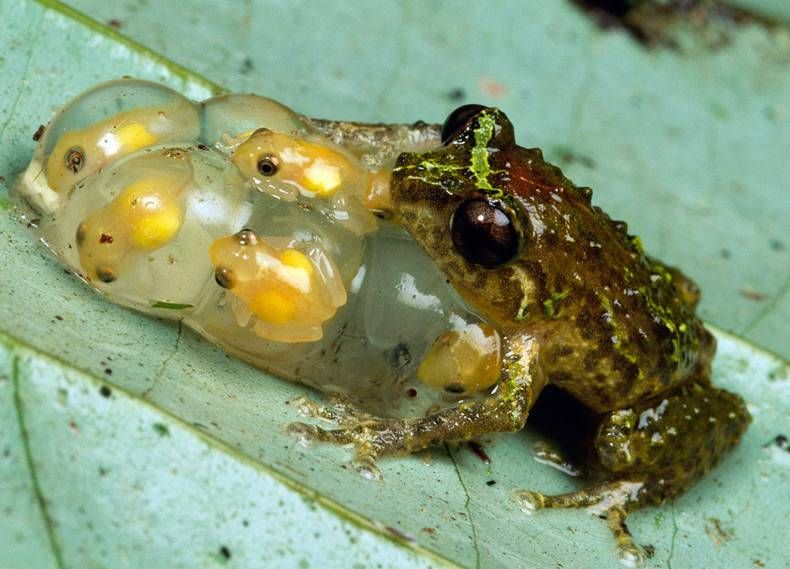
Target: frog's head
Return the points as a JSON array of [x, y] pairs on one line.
[[501, 223]]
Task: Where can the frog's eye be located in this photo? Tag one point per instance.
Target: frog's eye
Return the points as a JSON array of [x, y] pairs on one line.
[[268, 165], [74, 159], [458, 119], [483, 233]]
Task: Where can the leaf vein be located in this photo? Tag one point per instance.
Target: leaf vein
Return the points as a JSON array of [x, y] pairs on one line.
[[25, 439]]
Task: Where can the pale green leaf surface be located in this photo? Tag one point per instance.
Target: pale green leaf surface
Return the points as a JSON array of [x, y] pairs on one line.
[[186, 455]]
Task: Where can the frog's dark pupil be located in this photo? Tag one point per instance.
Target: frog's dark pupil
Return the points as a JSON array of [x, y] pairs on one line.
[[484, 234], [75, 159], [267, 165], [456, 120]]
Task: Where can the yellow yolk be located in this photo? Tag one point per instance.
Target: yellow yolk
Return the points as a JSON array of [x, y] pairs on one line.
[[274, 306], [153, 214], [155, 230], [322, 178], [298, 260], [134, 136]]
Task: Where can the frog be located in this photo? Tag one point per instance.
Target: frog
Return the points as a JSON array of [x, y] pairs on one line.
[[579, 306], [435, 282]]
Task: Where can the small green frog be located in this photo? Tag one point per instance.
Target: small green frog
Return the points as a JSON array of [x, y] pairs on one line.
[[578, 305]]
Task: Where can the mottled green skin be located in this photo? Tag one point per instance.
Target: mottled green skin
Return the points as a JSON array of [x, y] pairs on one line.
[[615, 328]]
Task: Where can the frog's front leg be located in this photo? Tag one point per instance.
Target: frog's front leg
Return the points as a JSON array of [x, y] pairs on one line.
[[505, 410], [652, 452]]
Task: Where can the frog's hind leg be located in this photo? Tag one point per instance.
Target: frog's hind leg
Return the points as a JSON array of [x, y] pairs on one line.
[[373, 437], [654, 451]]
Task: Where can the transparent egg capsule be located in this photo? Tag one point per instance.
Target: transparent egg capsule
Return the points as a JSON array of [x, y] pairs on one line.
[[104, 124], [229, 119]]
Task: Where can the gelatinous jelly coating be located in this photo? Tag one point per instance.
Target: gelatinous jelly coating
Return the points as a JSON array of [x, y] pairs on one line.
[[102, 125], [228, 117], [174, 223]]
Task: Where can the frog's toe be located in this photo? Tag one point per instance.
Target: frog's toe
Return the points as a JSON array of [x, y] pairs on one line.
[[630, 555], [367, 442], [340, 410], [308, 434], [530, 501]]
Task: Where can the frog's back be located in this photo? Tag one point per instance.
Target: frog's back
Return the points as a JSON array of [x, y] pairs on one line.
[[618, 325]]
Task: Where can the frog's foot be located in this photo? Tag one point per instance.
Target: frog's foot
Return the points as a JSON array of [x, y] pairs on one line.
[[366, 434], [607, 500]]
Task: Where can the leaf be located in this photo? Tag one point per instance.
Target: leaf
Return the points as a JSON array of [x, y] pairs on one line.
[[131, 442]]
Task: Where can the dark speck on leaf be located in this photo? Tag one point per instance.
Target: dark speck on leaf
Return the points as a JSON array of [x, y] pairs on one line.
[[105, 238], [781, 442], [114, 23], [456, 94], [752, 294], [225, 552], [105, 391], [776, 245], [569, 156], [161, 430], [725, 254], [107, 371], [246, 66], [39, 133], [411, 392], [490, 482]]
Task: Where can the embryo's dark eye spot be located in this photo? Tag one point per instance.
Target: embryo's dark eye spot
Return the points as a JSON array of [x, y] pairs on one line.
[[457, 120], [247, 237], [268, 165], [82, 231], [75, 159], [105, 274], [483, 233], [224, 277]]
